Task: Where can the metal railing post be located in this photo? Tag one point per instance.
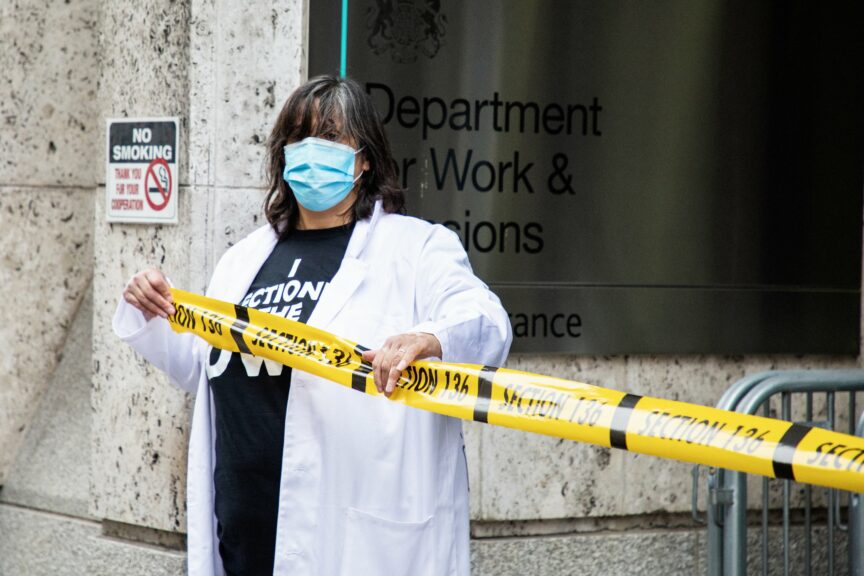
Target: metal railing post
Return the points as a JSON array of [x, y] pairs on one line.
[[855, 545], [727, 489], [735, 525], [720, 494], [856, 535]]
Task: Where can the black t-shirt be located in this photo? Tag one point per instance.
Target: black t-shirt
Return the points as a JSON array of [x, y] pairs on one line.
[[251, 396]]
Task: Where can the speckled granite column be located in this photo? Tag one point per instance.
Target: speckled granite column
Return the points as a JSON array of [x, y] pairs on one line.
[[141, 421], [48, 172], [223, 67]]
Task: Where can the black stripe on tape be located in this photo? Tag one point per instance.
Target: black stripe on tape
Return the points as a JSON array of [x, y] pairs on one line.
[[358, 377], [239, 326], [484, 393], [620, 419], [785, 451], [359, 349]]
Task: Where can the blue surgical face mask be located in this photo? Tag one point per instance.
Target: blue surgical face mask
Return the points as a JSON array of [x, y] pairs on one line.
[[320, 172]]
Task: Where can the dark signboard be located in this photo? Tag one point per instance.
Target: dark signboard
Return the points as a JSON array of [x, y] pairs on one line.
[[630, 177]]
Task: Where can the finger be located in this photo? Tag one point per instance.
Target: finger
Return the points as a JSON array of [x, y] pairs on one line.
[[376, 370], [374, 358], [144, 301], [394, 372], [147, 305], [369, 355], [131, 299], [408, 357], [158, 281], [156, 296], [392, 379], [386, 364]]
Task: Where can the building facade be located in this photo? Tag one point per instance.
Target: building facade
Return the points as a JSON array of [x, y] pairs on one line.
[[93, 440]]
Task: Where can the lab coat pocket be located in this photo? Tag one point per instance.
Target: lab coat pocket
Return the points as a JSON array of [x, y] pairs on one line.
[[376, 546]]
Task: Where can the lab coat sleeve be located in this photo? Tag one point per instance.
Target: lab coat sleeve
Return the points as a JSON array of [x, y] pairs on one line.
[[457, 307], [178, 355]]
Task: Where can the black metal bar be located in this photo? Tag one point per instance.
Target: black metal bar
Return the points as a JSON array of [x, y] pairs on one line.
[[786, 408], [765, 505], [808, 504], [829, 398]]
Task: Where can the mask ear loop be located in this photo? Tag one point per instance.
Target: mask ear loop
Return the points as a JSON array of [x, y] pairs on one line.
[[361, 171]]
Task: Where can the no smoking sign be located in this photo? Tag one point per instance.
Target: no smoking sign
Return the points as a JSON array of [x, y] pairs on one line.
[[141, 180]]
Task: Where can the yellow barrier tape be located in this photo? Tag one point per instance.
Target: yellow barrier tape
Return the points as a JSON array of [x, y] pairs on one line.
[[542, 404]]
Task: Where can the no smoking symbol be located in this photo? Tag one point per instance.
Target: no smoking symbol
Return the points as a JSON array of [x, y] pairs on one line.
[[157, 184]]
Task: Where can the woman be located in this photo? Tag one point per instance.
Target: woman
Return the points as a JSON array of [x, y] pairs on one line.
[[289, 474]]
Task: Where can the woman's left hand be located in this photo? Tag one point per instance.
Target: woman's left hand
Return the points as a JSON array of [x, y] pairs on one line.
[[396, 354]]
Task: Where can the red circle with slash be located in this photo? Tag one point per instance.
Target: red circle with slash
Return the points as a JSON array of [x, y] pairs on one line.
[[162, 193]]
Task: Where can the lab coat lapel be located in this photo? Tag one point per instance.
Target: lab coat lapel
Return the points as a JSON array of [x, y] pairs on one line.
[[349, 276], [244, 271], [344, 283]]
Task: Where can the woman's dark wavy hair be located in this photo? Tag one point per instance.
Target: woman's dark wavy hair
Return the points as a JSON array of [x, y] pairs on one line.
[[331, 107]]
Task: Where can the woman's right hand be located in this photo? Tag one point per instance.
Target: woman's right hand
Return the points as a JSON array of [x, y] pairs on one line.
[[149, 292]]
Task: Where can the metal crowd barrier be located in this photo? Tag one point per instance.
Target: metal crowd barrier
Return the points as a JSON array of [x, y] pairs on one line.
[[856, 523], [726, 498]]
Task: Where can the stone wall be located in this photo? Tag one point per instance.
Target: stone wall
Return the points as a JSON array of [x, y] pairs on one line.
[[48, 136], [93, 440]]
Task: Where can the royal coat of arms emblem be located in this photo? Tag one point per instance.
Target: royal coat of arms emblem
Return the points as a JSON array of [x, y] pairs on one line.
[[406, 28]]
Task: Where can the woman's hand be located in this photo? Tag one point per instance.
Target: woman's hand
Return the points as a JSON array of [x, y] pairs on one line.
[[149, 292], [396, 354]]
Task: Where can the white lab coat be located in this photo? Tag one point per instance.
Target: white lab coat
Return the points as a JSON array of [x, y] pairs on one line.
[[368, 487]]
